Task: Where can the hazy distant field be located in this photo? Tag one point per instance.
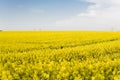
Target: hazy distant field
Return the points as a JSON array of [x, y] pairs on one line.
[[59, 55]]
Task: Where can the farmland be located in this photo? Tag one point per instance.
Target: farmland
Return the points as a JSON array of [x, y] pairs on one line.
[[59, 55]]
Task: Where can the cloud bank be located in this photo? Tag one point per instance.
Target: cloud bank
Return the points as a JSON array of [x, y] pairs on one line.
[[101, 15]]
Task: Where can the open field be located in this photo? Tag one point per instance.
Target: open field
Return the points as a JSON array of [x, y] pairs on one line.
[[59, 55]]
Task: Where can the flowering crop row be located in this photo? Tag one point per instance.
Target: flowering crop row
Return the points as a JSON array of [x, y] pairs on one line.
[[62, 55]]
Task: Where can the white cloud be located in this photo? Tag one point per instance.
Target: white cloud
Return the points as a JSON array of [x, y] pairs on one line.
[[91, 13], [101, 15]]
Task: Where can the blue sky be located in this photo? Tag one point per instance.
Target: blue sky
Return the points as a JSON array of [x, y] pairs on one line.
[[56, 14]]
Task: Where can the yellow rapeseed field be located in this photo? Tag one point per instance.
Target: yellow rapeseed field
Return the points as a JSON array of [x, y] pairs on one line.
[[59, 55]]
